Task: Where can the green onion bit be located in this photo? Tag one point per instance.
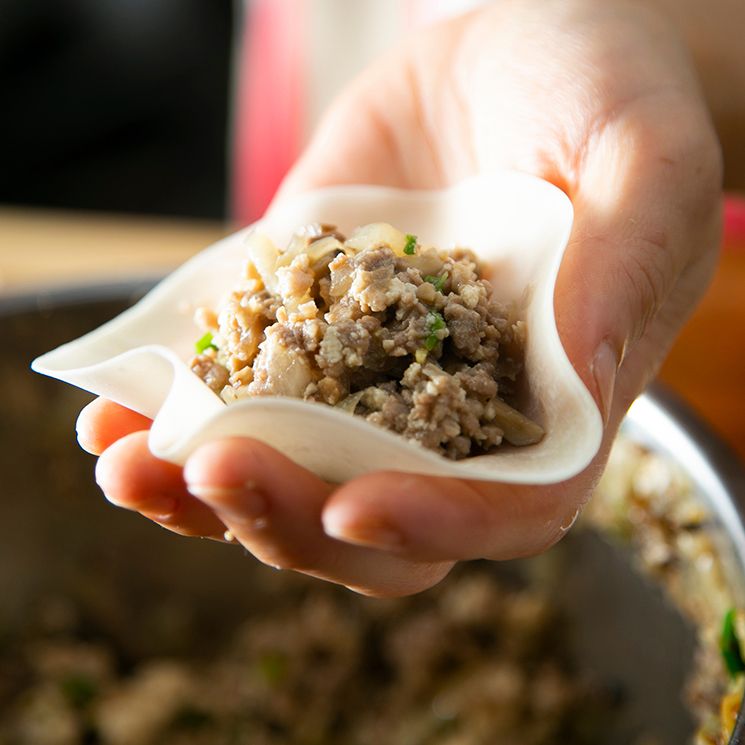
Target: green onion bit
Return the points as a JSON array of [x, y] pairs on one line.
[[273, 667], [729, 645], [410, 247], [438, 282], [435, 322], [79, 690], [205, 343]]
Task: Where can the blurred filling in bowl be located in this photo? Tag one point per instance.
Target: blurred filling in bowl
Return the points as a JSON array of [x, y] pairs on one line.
[[113, 631]]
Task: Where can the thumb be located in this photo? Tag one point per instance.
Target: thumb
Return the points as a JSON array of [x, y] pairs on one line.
[[643, 247]]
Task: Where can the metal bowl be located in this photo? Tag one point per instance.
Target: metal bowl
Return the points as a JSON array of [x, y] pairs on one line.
[[56, 533]]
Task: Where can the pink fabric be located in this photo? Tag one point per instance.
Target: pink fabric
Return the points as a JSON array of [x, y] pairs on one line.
[[734, 220], [270, 103]]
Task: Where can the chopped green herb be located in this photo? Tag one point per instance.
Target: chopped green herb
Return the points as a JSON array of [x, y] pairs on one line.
[[438, 282], [729, 645], [205, 343], [435, 322], [410, 247], [272, 666], [79, 690], [191, 718]]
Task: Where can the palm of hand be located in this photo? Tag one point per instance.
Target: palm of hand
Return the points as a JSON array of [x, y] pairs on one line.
[[599, 101]]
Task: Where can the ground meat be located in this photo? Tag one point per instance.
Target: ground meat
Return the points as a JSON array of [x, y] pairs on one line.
[[241, 325], [465, 327], [405, 335], [440, 412], [210, 371], [374, 286]]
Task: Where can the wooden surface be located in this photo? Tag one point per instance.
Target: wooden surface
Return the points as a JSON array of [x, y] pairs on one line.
[[706, 366], [41, 248]]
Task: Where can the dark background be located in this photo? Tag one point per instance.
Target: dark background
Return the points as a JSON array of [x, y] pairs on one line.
[[118, 105]]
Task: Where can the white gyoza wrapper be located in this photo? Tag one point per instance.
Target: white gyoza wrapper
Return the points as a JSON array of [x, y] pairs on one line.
[[516, 224]]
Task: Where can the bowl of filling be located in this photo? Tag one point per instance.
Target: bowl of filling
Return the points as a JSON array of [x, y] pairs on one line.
[[113, 631]]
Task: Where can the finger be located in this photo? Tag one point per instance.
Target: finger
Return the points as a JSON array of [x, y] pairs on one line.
[[647, 223], [380, 130], [435, 519], [273, 507], [102, 422], [372, 155], [133, 478], [424, 518]]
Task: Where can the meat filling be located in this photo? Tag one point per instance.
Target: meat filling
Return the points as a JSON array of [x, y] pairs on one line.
[[405, 335]]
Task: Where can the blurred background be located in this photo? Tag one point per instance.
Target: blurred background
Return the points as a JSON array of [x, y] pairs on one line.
[[126, 106], [116, 105]]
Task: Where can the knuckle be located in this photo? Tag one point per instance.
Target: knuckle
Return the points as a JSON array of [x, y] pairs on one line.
[[709, 165], [691, 154], [647, 275], [684, 165]]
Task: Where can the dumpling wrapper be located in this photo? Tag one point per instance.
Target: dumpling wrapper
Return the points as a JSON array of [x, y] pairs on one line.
[[517, 224]]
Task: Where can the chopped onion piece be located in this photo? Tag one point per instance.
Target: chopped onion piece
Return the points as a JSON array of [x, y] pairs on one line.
[[375, 235], [517, 428], [427, 260], [320, 248], [349, 404], [298, 245], [263, 254]]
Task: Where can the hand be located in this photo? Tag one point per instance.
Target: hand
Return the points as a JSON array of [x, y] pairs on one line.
[[598, 98]]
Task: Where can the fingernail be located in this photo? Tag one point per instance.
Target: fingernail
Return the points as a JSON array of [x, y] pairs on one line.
[[242, 503], [371, 533], [604, 368], [568, 522]]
